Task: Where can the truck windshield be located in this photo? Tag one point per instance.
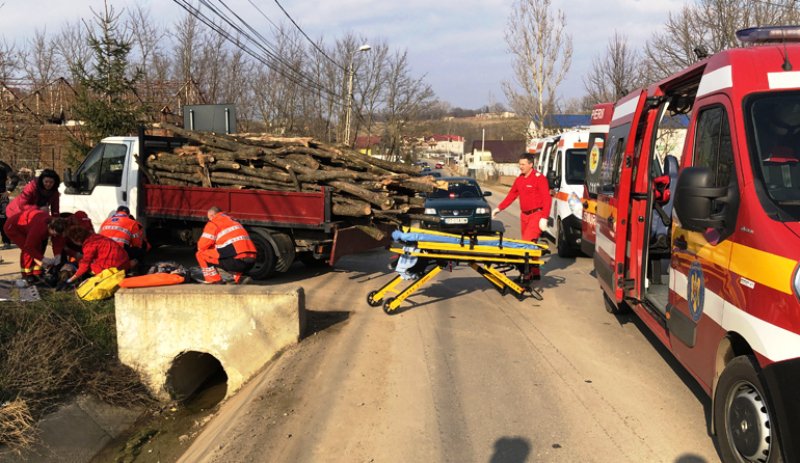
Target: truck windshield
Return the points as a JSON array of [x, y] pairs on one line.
[[774, 139], [457, 190], [576, 167]]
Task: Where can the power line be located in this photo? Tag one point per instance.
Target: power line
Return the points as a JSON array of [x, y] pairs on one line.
[[271, 60], [314, 44]]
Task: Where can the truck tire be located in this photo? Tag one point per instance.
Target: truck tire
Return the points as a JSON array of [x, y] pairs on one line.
[[265, 254], [745, 425], [284, 250]]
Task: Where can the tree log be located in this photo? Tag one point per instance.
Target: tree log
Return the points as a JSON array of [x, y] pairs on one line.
[[382, 201]]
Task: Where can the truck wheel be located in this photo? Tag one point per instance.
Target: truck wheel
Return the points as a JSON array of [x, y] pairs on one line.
[[265, 255], [746, 430], [284, 251], [561, 242]]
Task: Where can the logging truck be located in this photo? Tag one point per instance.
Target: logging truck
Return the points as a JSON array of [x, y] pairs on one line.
[[284, 225]]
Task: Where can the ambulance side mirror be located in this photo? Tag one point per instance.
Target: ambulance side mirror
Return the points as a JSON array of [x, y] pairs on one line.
[[695, 197], [552, 180]]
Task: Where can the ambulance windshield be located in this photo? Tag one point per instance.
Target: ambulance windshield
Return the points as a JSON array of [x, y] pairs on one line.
[[774, 135], [576, 166]]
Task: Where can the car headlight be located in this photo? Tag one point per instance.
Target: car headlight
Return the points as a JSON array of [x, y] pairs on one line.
[[575, 205], [430, 210], [482, 210]]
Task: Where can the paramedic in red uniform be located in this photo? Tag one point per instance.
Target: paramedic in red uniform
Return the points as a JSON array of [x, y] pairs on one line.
[[99, 252], [39, 192], [127, 232], [226, 244], [30, 231], [534, 199]]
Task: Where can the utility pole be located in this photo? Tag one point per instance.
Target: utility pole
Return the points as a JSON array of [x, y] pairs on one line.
[[351, 74]]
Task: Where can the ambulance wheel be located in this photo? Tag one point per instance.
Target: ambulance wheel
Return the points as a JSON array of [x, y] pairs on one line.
[[561, 242], [371, 299], [386, 303], [265, 255], [746, 430], [613, 308]]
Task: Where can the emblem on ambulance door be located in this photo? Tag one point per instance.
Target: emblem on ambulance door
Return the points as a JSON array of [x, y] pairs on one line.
[[696, 291], [594, 158]]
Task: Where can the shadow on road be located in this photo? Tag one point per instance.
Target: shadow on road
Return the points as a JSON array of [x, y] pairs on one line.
[[511, 450], [689, 458], [680, 372], [317, 321]]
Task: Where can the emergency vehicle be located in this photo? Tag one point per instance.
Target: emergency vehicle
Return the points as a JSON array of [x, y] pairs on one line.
[[600, 118], [723, 294], [563, 162]]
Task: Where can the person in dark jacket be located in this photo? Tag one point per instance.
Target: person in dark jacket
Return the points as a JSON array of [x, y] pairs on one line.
[[39, 192], [6, 173]]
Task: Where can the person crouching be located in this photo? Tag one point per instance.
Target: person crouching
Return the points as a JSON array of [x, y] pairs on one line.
[[225, 244], [99, 253]]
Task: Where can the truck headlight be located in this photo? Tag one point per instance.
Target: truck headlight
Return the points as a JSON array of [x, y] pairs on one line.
[[575, 205], [430, 211], [482, 210]]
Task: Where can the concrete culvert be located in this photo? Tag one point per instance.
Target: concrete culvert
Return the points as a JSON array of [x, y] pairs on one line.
[[193, 374]]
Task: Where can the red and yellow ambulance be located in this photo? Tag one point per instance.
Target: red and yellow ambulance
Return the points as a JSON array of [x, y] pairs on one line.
[[708, 256], [600, 118]]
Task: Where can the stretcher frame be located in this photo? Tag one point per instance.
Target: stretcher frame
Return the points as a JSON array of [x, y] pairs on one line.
[[490, 262]]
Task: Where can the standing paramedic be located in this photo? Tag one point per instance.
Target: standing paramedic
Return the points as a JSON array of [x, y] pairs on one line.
[[533, 191], [225, 244]]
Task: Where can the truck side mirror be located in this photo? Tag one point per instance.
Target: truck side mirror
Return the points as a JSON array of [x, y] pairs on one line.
[[695, 195], [69, 179]]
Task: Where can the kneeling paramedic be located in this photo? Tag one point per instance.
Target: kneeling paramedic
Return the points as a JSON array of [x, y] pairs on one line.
[[30, 231], [225, 244], [99, 253], [127, 232]]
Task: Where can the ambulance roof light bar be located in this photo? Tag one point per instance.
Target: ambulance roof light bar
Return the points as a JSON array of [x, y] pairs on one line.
[[769, 34]]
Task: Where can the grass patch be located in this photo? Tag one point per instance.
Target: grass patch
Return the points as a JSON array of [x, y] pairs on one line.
[[53, 349]]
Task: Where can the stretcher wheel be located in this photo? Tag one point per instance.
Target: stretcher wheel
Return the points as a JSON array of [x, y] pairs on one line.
[[386, 308], [371, 301]]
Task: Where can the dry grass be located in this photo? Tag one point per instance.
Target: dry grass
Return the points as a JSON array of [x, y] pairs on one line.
[[56, 348], [17, 430]]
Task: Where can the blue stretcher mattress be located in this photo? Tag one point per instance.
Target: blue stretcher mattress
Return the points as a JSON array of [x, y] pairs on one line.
[[414, 237]]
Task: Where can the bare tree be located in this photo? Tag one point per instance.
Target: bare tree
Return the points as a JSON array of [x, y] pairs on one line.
[[542, 56], [73, 48], [615, 73], [9, 61], [41, 62], [707, 27], [406, 98]]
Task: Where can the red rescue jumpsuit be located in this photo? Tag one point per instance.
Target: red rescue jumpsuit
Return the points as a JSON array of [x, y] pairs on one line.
[[534, 203], [223, 239], [28, 231], [100, 253]]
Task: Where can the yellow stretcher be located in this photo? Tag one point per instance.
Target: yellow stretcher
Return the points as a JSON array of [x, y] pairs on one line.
[[491, 261]]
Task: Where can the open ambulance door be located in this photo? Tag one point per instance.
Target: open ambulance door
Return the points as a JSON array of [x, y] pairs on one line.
[[614, 195]]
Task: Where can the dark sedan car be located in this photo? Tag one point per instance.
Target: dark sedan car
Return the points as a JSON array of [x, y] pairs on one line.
[[461, 208]]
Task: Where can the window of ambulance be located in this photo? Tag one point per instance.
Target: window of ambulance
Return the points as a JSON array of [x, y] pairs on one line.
[[612, 158], [773, 132], [576, 166]]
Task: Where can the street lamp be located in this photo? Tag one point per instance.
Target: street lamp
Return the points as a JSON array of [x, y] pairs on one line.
[[350, 92]]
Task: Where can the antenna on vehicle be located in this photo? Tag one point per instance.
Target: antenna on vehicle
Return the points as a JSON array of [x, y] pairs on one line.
[[787, 65]]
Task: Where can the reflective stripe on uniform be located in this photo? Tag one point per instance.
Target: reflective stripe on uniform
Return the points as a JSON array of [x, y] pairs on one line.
[[228, 230], [233, 240], [208, 236], [117, 228], [121, 240]]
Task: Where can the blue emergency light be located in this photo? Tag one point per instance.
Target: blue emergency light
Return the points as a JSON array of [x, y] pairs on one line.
[[769, 34]]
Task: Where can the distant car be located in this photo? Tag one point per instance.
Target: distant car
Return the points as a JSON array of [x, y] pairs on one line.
[[461, 208], [439, 165], [426, 170]]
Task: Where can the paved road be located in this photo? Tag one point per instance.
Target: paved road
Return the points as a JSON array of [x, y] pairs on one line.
[[464, 375]]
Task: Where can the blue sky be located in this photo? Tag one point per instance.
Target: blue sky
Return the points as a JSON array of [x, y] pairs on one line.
[[457, 44]]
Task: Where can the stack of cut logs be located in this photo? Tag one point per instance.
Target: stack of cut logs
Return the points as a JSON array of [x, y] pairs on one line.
[[362, 186]]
